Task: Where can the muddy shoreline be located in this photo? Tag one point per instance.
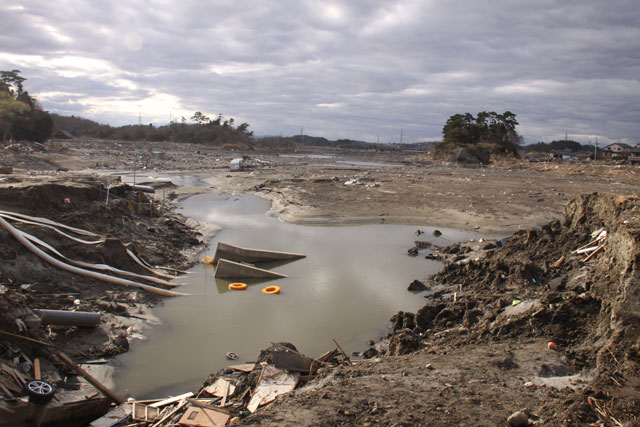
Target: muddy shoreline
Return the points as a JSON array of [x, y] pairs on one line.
[[506, 197]]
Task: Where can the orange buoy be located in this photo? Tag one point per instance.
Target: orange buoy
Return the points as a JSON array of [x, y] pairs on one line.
[[207, 259], [237, 286], [271, 290]]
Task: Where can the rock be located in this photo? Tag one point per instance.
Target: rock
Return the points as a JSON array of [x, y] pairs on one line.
[[417, 285], [470, 156], [370, 353], [422, 244], [403, 320], [403, 342], [518, 419], [437, 233], [425, 316], [413, 251], [121, 341]]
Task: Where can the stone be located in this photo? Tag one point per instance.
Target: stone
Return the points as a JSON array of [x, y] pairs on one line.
[[518, 419], [370, 353], [403, 342], [417, 285], [425, 316]]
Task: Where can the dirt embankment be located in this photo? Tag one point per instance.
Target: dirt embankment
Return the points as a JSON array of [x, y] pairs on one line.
[[128, 222], [479, 350]]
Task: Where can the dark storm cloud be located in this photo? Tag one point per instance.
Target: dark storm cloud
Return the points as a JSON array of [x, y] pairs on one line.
[[356, 69]]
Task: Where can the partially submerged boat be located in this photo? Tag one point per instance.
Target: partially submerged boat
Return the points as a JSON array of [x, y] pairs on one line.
[[231, 269], [238, 254]]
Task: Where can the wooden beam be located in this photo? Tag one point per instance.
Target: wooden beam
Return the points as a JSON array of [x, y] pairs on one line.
[[84, 374]]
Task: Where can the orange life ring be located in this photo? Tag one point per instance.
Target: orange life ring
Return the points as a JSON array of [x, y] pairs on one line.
[[271, 290], [237, 286]]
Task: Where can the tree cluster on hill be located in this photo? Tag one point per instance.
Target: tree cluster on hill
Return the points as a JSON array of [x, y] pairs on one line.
[[21, 116], [496, 132], [204, 131]]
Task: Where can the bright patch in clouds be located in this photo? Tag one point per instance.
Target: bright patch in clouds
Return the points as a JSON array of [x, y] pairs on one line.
[[133, 42]]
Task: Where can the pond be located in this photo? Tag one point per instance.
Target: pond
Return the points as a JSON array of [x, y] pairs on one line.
[[351, 282]]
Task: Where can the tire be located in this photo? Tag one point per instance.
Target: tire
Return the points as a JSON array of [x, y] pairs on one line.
[[39, 392]]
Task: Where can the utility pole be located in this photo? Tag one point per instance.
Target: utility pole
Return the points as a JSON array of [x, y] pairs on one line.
[[595, 150], [401, 135], [139, 118]]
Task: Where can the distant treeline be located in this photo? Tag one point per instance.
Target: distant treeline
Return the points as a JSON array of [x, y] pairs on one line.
[[318, 141], [565, 145], [214, 132], [217, 132]]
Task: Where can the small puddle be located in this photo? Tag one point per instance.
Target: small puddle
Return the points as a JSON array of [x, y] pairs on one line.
[[349, 285]]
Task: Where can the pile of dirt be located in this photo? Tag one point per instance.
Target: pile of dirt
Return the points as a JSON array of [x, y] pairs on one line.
[[537, 286], [532, 332], [130, 221]]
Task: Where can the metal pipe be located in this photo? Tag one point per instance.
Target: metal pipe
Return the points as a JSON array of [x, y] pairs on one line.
[[68, 318]]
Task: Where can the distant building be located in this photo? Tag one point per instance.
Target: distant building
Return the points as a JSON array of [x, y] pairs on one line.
[[562, 155], [620, 149]]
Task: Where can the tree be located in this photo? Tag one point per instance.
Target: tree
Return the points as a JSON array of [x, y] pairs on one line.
[[200, 118], [488, 128], [10, 109], [21, 116], [243, 129], [12, 82]]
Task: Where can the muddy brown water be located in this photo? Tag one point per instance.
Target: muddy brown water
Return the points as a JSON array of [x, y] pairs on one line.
[[351, 282]]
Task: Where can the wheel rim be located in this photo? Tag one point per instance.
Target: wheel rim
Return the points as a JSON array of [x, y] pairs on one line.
[[40, 387]]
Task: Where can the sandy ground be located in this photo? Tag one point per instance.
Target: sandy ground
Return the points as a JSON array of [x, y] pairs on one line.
[[397, 188], [455, 377]]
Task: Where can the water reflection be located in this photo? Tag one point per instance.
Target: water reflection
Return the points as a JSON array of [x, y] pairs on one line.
[[349, 285]]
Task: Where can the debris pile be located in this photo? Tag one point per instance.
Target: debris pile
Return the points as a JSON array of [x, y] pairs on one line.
[[232, 393], [574, 282]]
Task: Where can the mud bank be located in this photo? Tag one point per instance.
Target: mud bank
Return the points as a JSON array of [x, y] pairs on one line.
[[480, 349], [128, 222]]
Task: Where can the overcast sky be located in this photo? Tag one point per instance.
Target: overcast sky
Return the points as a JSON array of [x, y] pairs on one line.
[[360, 69]]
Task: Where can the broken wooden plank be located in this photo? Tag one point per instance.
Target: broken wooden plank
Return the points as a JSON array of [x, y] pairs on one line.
[[170, 414], [225, 394], [328, 355], [594, 253], [219, 387], [272, 383], [558, 262], [11, 385], [84, 374], [171, 400], [342, 351], [246, 367], [36, 369], [203, 417], [6, 391], [141, 412]]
